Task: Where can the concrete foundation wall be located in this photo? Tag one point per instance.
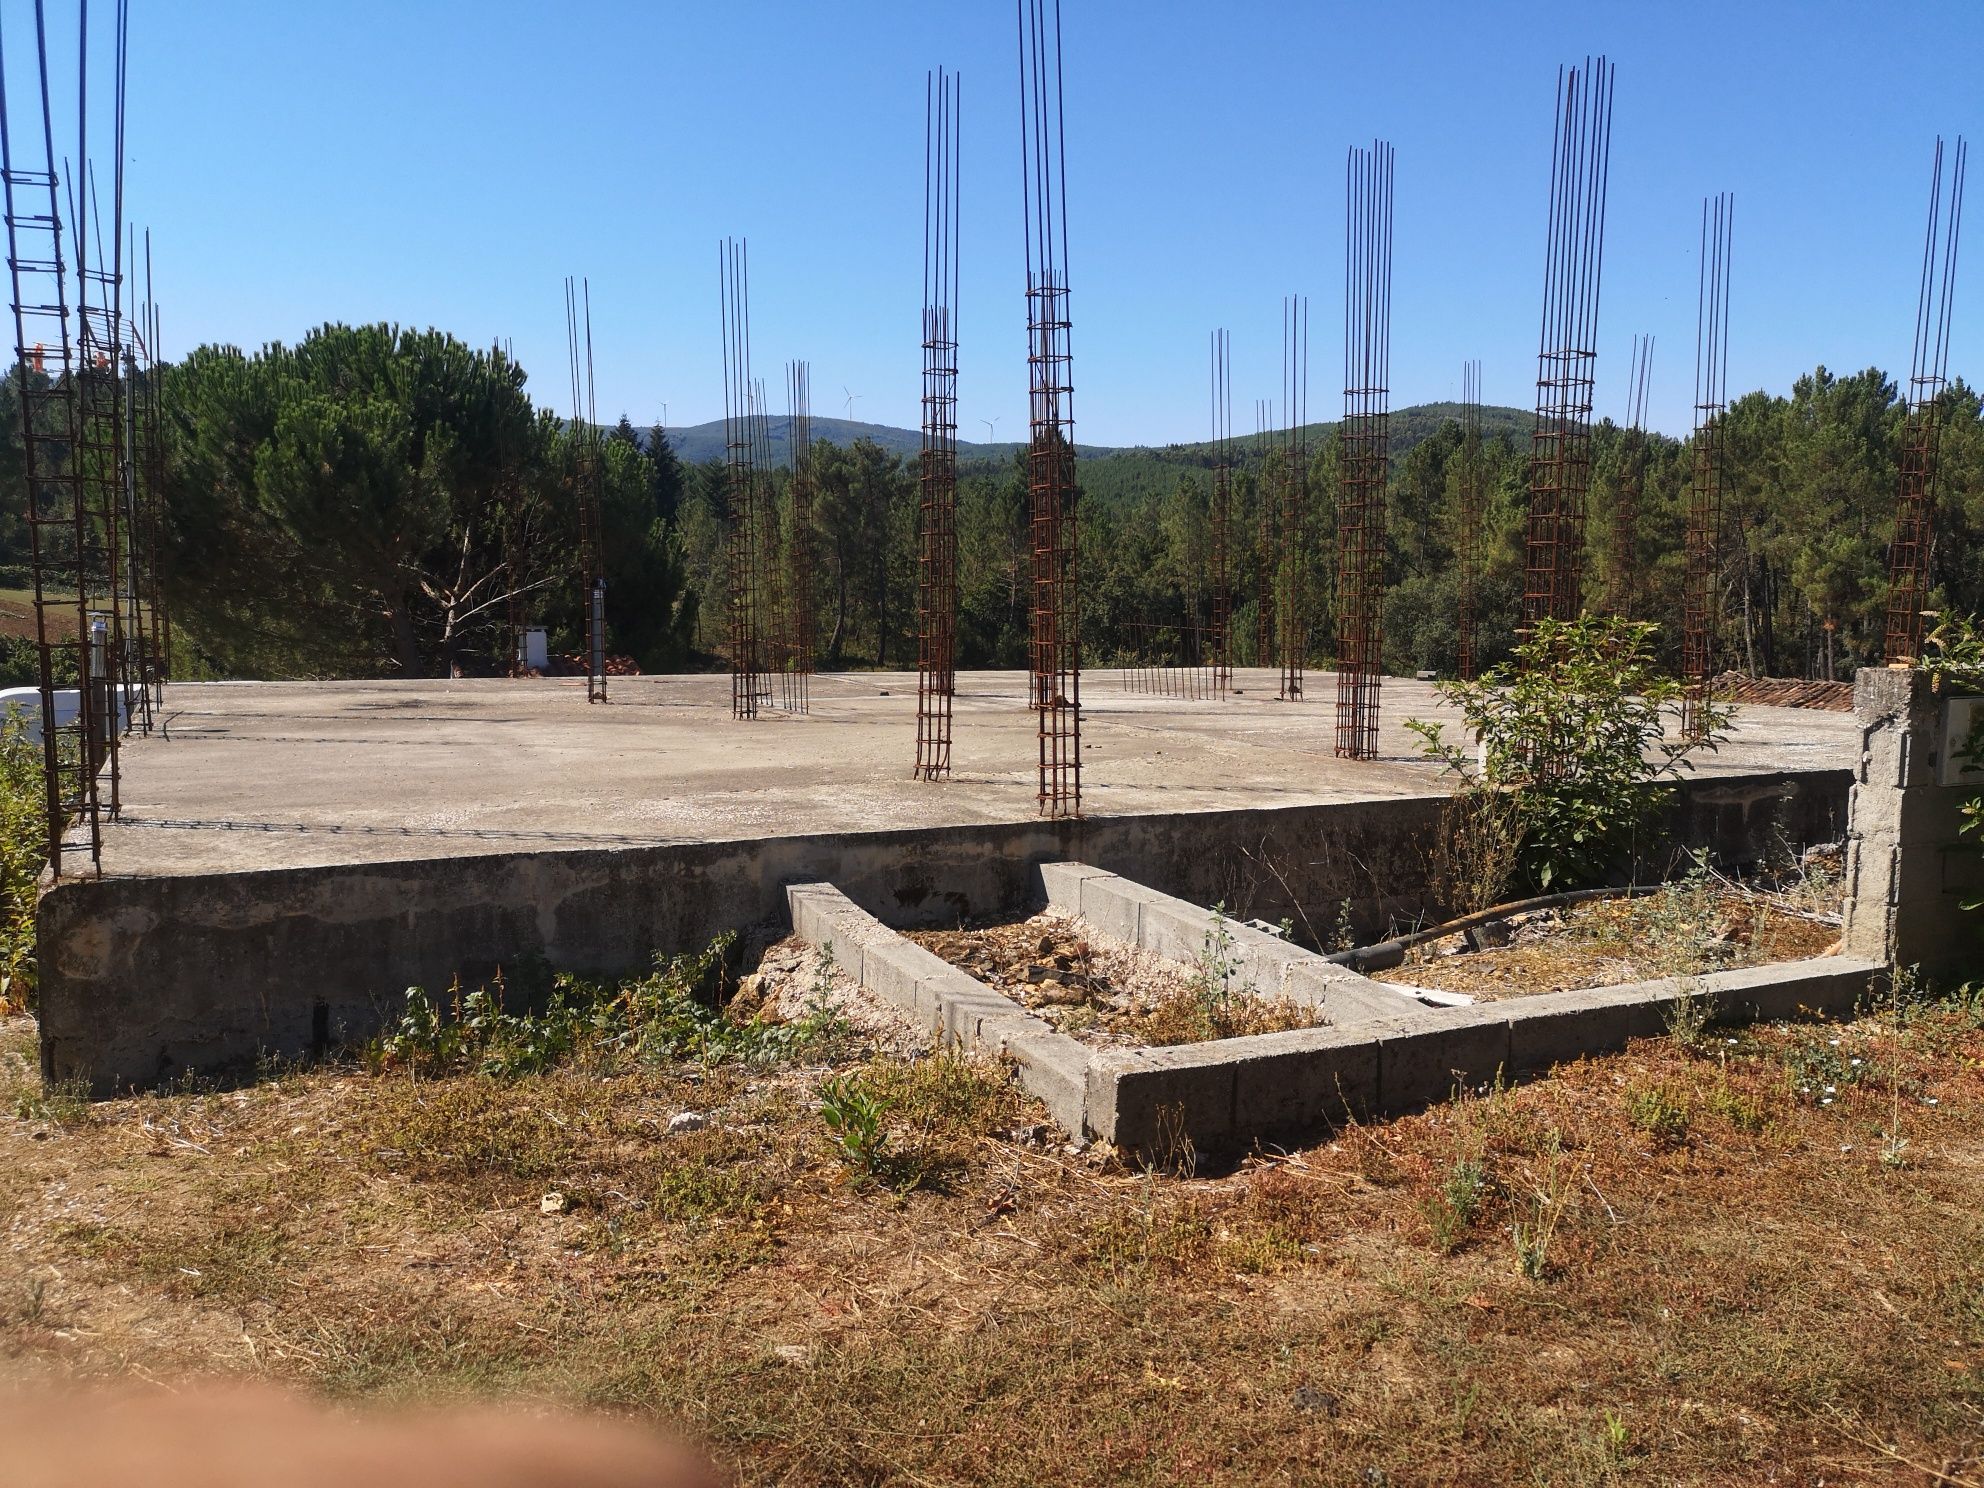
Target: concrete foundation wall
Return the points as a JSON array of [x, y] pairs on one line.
[[146, 979], [1230, 1093]]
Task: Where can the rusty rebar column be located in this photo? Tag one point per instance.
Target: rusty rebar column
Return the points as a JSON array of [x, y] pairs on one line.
[[740, 438], [46, 375], [1056, 619], [1911, 553], [1631, 484], [1219, 519], [1366, 447], [1467, 529], [937, 533], [1699, 598], [1560, 445]]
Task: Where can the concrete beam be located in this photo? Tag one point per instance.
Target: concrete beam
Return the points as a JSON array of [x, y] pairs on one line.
[[947, 1003], [1255, 961]]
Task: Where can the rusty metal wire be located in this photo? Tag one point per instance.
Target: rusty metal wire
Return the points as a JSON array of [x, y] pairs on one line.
[[767, 578], [1292, 499], [1698, 601], [1267, 543], [588, 473], [1560, 445], [1366, 448], [1631, 484], [741, 411], [1911, 553], [937, 533], [798, 624], [152, 623], [1467, 528], [1174, 661], [1219, 518], [1056, 617]]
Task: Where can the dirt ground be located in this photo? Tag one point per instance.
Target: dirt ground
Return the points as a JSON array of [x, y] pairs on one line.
[[1679, 931], [1756, 1259], [1096, 988]]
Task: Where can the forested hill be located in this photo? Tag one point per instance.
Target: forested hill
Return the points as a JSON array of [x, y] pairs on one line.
[[1111, 476], [699, 442]]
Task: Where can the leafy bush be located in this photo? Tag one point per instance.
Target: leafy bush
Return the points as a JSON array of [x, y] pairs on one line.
[[656, 1017], [1954, 658], [1574, 731], [23, 837]]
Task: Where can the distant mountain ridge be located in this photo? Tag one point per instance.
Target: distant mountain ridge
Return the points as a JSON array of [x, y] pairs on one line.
[[695, 443]]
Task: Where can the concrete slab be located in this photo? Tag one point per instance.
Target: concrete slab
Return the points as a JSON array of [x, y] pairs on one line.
[[249, 776]]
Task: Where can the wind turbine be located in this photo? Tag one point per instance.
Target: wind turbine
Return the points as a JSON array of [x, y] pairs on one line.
[[991, 428], [850, 402]]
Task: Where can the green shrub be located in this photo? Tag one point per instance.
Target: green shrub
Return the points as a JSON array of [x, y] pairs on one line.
[[23, 839], [1451, 1211], [1953, 656], [655, 1018], [1574, 730], [853, 1116], [1660, 1113]]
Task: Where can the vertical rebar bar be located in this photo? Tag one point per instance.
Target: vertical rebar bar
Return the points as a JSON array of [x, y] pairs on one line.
[[741, 537], [1631, 484], [587, 475], [799, 621], [1560, 445], [1219, 519], [1056, 619], [937, 546], [1467, 530], [1366, 448], [1266, 535], [1292, 498], [1911, 553], [1698, 601]]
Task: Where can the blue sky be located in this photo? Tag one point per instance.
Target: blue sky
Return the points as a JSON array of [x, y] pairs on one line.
[[447, 164]]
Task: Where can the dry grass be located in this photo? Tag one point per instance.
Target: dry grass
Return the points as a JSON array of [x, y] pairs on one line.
[[1736, 1273], [1681, 931]]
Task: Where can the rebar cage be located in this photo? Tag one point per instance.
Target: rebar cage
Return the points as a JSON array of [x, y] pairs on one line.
[[937, 537]]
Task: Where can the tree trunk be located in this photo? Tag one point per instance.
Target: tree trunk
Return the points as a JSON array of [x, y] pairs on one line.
[[882, 608], [404, 643], [840, 609]]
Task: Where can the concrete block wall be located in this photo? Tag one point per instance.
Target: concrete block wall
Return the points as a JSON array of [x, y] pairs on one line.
[[1908, 869]]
